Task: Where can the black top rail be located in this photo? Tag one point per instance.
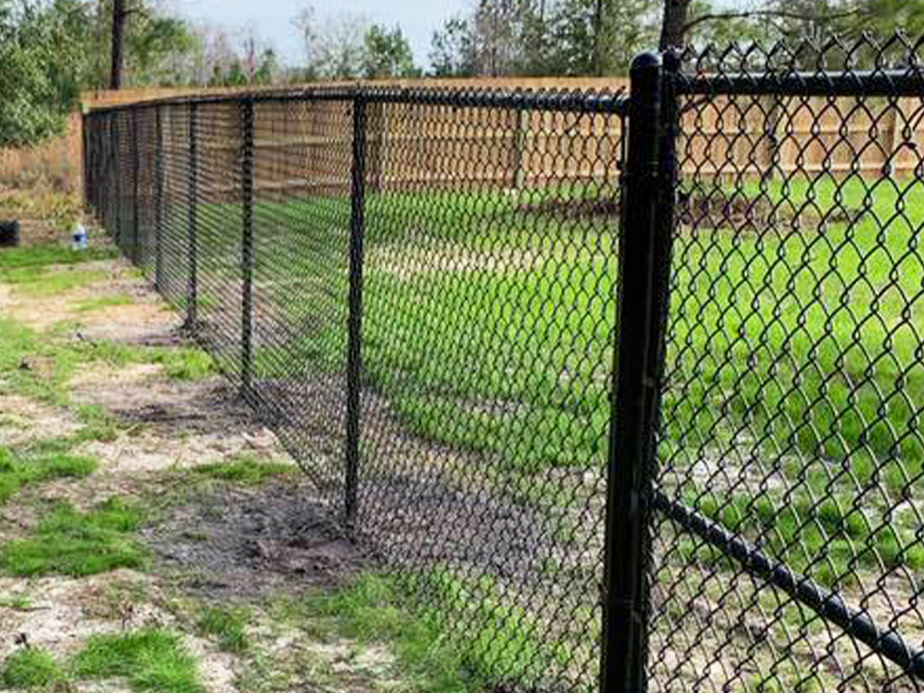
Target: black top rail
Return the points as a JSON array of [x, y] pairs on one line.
[[861, 83], [831, 607], [572, 101]]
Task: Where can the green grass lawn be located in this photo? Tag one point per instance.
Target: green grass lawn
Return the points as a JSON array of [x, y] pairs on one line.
[[148, 659], [489, 321], [68, 542]]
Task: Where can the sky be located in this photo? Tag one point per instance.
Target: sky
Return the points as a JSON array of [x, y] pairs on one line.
[[271, 20]]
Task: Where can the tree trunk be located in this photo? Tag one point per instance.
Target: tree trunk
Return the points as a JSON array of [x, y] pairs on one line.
[[118, 29], [598, 39], [604, 16], [674, 23]]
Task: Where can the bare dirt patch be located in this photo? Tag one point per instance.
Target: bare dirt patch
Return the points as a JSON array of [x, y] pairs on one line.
[[59, 614], [241, 542], [24, 420], [170, 423], [139, 323], [143, 315], [37, 313]]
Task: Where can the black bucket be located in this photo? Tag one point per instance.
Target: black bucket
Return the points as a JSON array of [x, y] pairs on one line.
[[9, 233]]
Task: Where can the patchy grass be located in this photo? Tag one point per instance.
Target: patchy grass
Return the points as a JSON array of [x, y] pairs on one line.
[[228, 626], [830, 538], [61, 356], [497, 639], [18, 601], [98, 423], [68, 542], [369, 611], [182, 363], [43, 283], [39, 257], [151, 659], [93, 304], [30, 668], [246, 471], [17, 471]]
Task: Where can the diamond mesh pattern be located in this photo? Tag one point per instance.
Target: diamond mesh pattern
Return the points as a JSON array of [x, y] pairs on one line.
[[487, 287], [791, 396], [417, 290]]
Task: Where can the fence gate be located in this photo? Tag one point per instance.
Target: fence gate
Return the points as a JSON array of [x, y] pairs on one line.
[[622, 391], [787, 532]]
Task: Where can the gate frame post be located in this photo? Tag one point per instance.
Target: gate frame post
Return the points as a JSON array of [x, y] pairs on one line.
[[354, 346], [646, 221], [247, 246]]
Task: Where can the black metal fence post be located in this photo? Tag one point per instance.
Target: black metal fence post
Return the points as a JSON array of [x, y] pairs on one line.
[[354, 347], [632, 425], [136, 165], [117, 178], [85, 159], [192, 279], [109, 164], [668, 132], [158, 199], [247, 247]]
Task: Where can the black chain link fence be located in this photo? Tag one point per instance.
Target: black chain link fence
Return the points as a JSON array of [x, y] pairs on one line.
[[418, 290]]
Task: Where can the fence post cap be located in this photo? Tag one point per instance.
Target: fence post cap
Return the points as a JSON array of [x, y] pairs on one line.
[[646, 61]]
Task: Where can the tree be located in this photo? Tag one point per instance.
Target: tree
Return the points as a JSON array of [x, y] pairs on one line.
[[334, 47], [119, 15], [156, 47], [41, 64], [674, 24], [573, 28], [546, 37], [153, 39], [452, 50], [387, 54], [798, 21], [622, 29], [267, 69], [499, 32], [886, 16]]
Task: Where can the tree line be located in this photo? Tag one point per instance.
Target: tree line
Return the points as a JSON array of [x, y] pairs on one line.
[[51, 50], [600, 37]]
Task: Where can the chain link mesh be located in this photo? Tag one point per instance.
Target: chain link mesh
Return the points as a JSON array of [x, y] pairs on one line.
[[417, 290], [485, 284], [789, 546]]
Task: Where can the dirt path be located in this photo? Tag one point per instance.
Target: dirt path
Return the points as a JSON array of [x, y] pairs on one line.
[[102, 373]]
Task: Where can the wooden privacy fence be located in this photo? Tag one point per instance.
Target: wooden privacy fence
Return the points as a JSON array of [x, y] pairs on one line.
[[302, 146], [783, 136]]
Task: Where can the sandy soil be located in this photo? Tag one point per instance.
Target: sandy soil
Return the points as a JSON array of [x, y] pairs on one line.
[[225, 544]]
